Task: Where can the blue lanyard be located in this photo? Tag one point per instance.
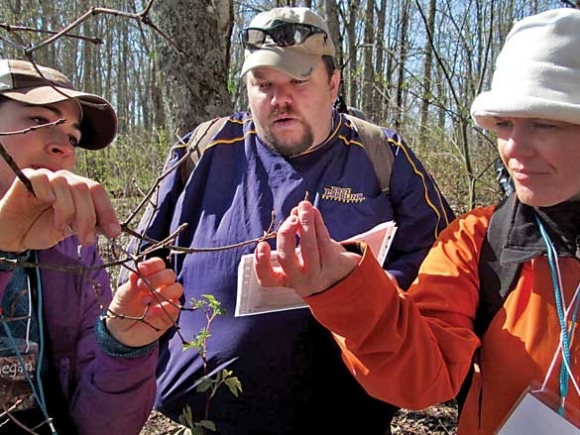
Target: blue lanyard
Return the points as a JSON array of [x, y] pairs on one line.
[[37, 389], [566, 334]]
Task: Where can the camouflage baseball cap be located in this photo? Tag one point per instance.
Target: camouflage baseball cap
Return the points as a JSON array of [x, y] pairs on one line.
[[20, 81]]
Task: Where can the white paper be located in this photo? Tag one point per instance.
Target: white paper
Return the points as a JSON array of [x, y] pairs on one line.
[[379, 239], [255, 299], [533, 417]]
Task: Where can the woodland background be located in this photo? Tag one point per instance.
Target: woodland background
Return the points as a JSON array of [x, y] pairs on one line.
[[167, 65]]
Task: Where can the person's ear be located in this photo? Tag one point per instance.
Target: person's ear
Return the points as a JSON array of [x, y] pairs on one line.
[[334, 84]]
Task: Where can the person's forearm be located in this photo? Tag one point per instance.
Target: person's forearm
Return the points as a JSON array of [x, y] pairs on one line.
[[392, 350]]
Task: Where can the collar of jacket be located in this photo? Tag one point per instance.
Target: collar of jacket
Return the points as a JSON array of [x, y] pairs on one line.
[[521, 237]]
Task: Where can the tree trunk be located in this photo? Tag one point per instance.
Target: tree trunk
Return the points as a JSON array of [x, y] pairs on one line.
[[402, 56], [378, 114], [368, 68], [427, 76], [195, 67], [350, 63]]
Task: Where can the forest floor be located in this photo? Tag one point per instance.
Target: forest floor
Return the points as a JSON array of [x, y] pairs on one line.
[[437, 420]]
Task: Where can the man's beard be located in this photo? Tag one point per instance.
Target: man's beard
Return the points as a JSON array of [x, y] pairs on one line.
[[286, 148]]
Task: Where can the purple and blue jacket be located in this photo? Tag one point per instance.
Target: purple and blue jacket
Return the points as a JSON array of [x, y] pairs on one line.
[[292, 375]]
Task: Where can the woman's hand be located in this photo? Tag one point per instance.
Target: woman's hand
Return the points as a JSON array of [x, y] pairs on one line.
[[151, 295], [316, 265], [63, 203]]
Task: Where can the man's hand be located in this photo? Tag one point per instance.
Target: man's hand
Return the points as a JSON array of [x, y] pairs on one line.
[[63, 203], [155, 294], [319, 263]]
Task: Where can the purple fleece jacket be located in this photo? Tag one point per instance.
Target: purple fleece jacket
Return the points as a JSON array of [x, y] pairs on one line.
[[105, 394]]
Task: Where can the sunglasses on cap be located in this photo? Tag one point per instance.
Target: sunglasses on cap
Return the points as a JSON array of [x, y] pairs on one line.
[[283, 35]]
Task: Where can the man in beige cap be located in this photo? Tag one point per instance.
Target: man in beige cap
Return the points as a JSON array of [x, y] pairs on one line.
[[517, 334], [67, 366], [291, 144]]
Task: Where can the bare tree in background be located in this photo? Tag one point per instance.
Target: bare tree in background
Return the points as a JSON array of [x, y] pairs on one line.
[[195, 75], [350, 65], [421, 80], [331, 15], [402, 53], [380, 100], [427, 71], [368, 67]]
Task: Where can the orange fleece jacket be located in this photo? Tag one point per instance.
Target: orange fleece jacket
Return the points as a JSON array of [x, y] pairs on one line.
[[414, 349]]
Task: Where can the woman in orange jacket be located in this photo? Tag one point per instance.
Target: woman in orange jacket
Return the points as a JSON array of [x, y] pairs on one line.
[[415, 349]]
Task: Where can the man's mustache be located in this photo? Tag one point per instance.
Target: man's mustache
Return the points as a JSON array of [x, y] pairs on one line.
[[286, 110]]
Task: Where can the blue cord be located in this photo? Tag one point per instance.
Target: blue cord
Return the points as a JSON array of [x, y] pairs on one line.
[[36, 387], [20, 360], [40, 318], [564, 375]]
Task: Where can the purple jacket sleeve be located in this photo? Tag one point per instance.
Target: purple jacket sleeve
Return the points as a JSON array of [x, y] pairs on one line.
[[106, 394]]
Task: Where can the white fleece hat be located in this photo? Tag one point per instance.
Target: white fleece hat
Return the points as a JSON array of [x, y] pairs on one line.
[[537, 73]]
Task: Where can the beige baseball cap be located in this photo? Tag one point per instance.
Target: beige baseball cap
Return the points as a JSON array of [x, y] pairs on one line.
[[297, 60], [20, 81]]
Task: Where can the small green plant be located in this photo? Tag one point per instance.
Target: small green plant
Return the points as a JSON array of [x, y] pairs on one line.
[[210, 382]]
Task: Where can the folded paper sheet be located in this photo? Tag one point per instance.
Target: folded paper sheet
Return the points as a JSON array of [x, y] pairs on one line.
[[255, 299]]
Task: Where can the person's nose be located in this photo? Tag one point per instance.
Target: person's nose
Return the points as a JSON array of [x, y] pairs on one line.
[[281, 96], [519, 142], [59, 141]]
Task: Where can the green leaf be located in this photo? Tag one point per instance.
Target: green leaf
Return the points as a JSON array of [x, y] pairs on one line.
[[208, 425], [205, 385], [234, 385], [186, 417]]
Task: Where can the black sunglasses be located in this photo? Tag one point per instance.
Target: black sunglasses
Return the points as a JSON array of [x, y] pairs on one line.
[[283, 35]]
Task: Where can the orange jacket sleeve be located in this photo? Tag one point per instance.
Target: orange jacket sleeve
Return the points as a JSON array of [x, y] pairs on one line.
[[411, 349]]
